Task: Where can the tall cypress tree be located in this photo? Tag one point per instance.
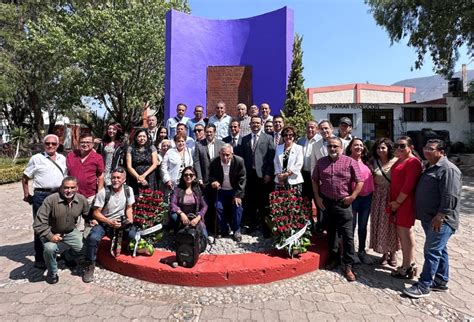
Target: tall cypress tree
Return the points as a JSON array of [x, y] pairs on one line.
[[297, 110]]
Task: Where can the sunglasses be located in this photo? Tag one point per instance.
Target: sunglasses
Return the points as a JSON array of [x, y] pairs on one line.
[[51, 143], [188, 175], [198, 130], [400, 146]]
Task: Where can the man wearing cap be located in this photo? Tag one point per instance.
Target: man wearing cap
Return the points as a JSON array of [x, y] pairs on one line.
[[345, 129], [47, 170]]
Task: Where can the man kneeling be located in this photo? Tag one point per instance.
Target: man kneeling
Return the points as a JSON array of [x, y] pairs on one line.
[[112, 209], [56, 222]]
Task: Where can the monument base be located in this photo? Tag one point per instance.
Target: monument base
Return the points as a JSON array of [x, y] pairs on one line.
[[215, 270]]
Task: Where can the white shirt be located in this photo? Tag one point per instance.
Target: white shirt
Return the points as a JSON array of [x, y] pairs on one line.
[[190, 144], [172, 123], [234, 140], [222, 125], [226, 182], [307, 151], [115, 207], [44, 173], [210, 149]]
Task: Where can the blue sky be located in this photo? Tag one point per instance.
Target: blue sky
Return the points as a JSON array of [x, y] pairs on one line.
[[341, 42]]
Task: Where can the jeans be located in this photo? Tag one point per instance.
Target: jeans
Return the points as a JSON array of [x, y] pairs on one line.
[[360, 212], [37, 201], [95, 236], [225, 208], [436, 263], [72, 239], [339, 223]]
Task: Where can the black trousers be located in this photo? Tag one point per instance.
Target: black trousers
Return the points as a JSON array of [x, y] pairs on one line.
[[339, 224], [256, 200]]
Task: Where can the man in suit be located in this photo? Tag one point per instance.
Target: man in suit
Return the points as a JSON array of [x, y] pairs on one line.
[[204, 152], [227, 176], [235, 137], [258, 151], [278, 125]]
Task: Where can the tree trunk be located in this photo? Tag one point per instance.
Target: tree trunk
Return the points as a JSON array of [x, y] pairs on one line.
[[38, 123]]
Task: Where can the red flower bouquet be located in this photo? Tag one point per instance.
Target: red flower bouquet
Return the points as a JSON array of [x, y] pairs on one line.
[[289, 215], [149, 210]]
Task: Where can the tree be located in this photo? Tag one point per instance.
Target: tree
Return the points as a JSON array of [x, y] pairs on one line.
[[440, 27], [19, 136], [297, 110], [119, 50]]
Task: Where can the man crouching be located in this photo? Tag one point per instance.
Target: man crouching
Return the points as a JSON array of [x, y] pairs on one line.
[[112, 209], [56, 222]]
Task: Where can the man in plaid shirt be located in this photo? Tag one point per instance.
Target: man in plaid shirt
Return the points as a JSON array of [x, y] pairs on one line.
[[336, 183]]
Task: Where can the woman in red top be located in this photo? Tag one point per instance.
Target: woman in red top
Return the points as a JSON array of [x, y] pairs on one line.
[[405, 174]]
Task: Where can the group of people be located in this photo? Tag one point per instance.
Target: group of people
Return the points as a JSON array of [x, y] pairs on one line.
[[217, 174]]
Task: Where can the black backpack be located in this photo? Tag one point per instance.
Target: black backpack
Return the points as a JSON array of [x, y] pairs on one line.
[[187, 246]]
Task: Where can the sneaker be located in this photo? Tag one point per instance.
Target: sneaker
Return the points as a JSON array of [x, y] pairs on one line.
[[52, 278], [88, 275], [237, 236], [349, 274], [211, 240], [40, 265], [416, 292], [439, 288]]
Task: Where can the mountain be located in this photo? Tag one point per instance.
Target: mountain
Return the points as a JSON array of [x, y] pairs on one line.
[[431, 87]]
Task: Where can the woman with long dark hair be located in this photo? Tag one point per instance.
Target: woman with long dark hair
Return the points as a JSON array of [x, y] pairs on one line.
[[188, 206], [142, 160], [112, 148], [383, 232], [162, 134], [361, 205], [405, 174]]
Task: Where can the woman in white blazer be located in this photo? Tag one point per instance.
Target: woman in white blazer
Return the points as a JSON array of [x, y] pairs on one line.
[[174, 161], [288, 161]]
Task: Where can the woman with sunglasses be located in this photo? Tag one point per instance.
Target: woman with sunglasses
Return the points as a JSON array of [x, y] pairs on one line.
[[383, 233], [187, 204], [361, 205], [142, 160], [112, 148], [405, 174], [288, 162]]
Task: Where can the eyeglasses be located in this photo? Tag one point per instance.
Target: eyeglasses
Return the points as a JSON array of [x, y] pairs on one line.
[[198, 130], [333, 146], [51, 143], [399, 146], [188, 175], [426, 148]]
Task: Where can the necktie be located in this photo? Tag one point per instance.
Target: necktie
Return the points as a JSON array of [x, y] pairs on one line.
[[234, 142], [277, 138]]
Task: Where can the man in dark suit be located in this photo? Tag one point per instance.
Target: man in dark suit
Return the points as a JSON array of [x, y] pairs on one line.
[[204, 152], [257, 150], [234, 139], [228, 177]]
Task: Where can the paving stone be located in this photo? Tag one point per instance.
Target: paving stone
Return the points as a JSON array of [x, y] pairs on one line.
[[330, 307], [105, 311], [357, 308], [349, 316], [32, 298], [277, 305], [339, 298], [82, 299], [82, 310], [54, 298], [211, 312], [270, 315], [320, 316], [136, 311], [385, 309], [59, 309]]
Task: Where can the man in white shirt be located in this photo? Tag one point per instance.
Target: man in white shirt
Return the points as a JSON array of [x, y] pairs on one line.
[[221, 121], [265, 110], [244, 119], [174, 121], [228, 177], [47, 170], [198, 119]]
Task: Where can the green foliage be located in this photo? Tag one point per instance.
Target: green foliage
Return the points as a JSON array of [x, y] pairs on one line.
[[11, 172], [297, 110], [440, 27]]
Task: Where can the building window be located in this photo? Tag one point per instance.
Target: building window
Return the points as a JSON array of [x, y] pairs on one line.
[[413, 114], [436, 114], [471, 114]]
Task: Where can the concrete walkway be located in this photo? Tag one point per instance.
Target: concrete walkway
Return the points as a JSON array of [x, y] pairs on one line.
[[318, 296]]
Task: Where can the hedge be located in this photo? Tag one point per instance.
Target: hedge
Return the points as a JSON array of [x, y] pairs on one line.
[[11, 174]]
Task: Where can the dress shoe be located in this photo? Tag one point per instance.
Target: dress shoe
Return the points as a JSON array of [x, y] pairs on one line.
[[332, 264], [52, 278], [349, 274]]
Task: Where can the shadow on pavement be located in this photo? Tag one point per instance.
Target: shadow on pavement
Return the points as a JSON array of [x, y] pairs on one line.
[[18, 253]]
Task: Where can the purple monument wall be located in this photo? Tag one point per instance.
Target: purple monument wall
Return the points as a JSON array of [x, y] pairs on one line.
[[192, 44]]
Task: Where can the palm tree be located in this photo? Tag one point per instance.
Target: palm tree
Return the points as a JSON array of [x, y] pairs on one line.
[[18, 135]]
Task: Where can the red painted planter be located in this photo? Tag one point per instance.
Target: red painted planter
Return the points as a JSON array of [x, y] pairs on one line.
[[216, 270]]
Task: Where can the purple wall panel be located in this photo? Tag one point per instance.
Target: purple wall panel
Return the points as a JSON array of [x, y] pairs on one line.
[[192, 44]]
